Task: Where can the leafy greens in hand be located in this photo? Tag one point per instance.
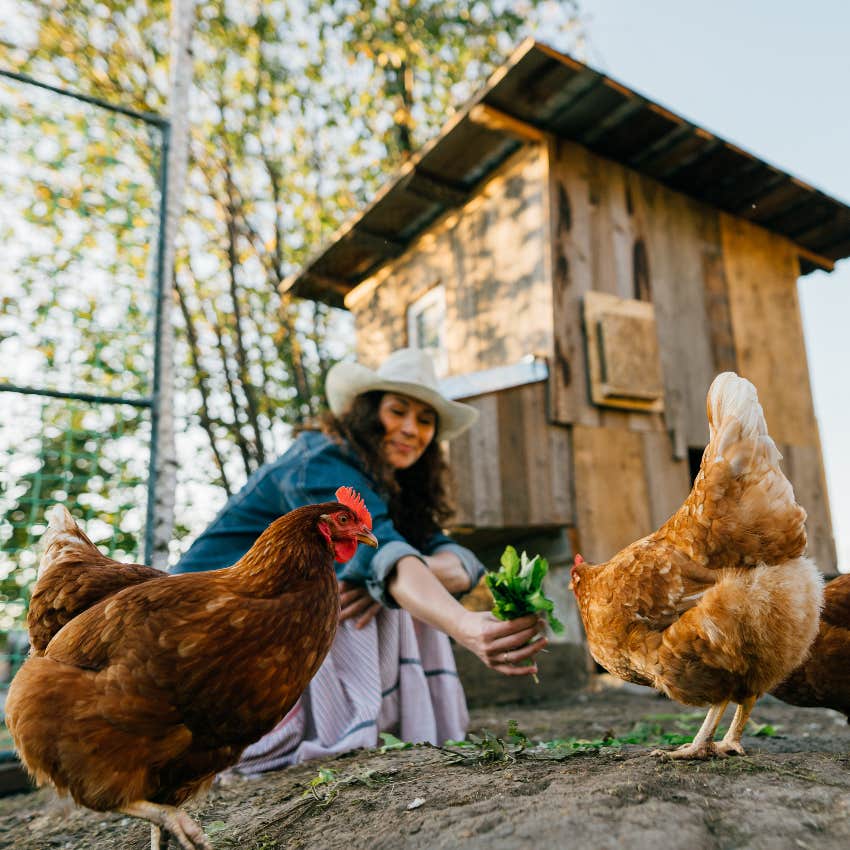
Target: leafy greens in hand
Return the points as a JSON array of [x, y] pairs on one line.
[[517, 588]]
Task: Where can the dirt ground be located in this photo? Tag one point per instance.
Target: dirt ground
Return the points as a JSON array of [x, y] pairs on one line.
[[792, 790]]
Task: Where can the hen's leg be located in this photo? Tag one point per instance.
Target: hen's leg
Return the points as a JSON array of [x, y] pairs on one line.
[[159, 837], [702, 747], [731, 742], [171, 820]]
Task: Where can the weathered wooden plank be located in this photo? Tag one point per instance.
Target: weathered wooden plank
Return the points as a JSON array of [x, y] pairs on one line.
[[677, 236], [539, 469], [717, 304], [572, 277], [500, 272], [484, 464], [562, 476], [612, 502], [513, 458], [804, 468], [459, 454], [761, 273], [667, 479]]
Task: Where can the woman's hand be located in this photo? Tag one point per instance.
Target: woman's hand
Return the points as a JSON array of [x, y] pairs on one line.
[[503, 645], [355, 601]]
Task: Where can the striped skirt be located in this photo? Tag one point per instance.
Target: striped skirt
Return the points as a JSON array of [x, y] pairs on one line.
[[394, 675]]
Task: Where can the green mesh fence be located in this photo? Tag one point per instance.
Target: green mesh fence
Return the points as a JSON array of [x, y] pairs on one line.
[[79, 222]]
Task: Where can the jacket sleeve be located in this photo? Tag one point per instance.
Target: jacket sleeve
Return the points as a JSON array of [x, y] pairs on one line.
[[319, 480], [469, 561]]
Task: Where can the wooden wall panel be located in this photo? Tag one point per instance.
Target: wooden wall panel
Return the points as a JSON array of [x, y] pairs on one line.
[[761, 271], [513, 469], [500, 300], [571, 234], [485, 473], [668, 480], [492, 258], [803, 466], [612, 502], [677, 234], [617, 232]]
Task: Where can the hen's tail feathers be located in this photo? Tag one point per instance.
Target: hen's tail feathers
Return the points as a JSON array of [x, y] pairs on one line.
[[737, 424], [753, 505], [62, 532]]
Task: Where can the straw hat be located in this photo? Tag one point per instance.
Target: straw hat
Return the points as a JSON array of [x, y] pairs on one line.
[[407, 371]]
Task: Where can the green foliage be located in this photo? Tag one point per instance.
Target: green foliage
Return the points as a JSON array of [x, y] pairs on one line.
[[670, 730], [390, 742], [517, 588], [326, 785]]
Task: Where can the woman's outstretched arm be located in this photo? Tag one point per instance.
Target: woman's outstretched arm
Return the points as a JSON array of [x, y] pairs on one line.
[[501, 645]]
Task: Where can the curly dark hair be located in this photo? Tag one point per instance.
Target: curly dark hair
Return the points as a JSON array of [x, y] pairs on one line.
[[417, 497]]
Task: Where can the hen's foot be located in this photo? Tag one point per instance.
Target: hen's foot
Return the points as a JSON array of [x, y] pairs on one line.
[[171, 822], [702, 751], [730, 748], [159, 838]]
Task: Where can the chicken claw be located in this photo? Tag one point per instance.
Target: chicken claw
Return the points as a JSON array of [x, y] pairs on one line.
[[703, 746], [168, 820], [702, 751]]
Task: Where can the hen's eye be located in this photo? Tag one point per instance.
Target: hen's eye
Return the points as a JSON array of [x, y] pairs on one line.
[[343, 519]]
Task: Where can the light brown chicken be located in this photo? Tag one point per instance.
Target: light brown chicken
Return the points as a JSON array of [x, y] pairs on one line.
[[719, 604], [138, 701], [823, 679]]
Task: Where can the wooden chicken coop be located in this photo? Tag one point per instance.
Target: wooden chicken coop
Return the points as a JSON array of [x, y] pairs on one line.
[[583, 262]]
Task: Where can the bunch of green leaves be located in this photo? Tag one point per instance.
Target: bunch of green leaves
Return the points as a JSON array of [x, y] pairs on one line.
[[517, 588]]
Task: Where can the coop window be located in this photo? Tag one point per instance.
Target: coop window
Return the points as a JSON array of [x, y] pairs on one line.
[[694, 461], [426, 318]]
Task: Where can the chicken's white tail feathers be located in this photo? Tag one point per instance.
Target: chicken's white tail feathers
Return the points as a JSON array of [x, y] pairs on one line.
[[736, 419], [62, 530]]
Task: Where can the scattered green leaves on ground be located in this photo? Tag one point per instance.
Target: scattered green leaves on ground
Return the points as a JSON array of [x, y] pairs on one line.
[[390, 742], [651, 730]]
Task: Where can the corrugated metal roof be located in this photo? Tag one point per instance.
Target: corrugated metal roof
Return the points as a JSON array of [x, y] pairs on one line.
[[552, 92]]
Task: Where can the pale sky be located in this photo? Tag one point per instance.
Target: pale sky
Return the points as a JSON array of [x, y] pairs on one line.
[[773, 76]]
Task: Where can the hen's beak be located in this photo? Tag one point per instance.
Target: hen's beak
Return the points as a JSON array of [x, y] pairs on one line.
[[366, 536]]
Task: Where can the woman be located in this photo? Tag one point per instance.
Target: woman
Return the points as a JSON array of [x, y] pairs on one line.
[[391, 667]]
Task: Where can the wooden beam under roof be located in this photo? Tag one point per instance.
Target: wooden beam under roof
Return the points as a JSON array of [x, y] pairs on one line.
[[431, 188], [375, 242], [817, 260], [500, 122], [333, 284]]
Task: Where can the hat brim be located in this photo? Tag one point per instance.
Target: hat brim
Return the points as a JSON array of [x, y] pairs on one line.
[[347, 380]]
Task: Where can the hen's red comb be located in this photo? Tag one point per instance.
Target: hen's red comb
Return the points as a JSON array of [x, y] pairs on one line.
[[349, 497], [578, 560]]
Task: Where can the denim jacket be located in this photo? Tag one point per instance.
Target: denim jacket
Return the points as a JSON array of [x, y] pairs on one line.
[[309, 473]]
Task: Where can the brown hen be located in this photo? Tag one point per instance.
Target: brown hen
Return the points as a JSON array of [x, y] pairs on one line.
[[137, 702], [823, 679], [719, 604]]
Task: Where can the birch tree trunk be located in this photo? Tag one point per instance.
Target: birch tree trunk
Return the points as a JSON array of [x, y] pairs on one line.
[[177, 155]]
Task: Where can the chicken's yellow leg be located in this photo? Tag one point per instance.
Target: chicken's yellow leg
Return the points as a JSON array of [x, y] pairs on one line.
[[173, 820], [731, 742], [159, 838], [702, 747]]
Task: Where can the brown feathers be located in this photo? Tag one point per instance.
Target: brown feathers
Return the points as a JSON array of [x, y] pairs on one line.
[[718, 603], [823, 679], [149, 684]]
